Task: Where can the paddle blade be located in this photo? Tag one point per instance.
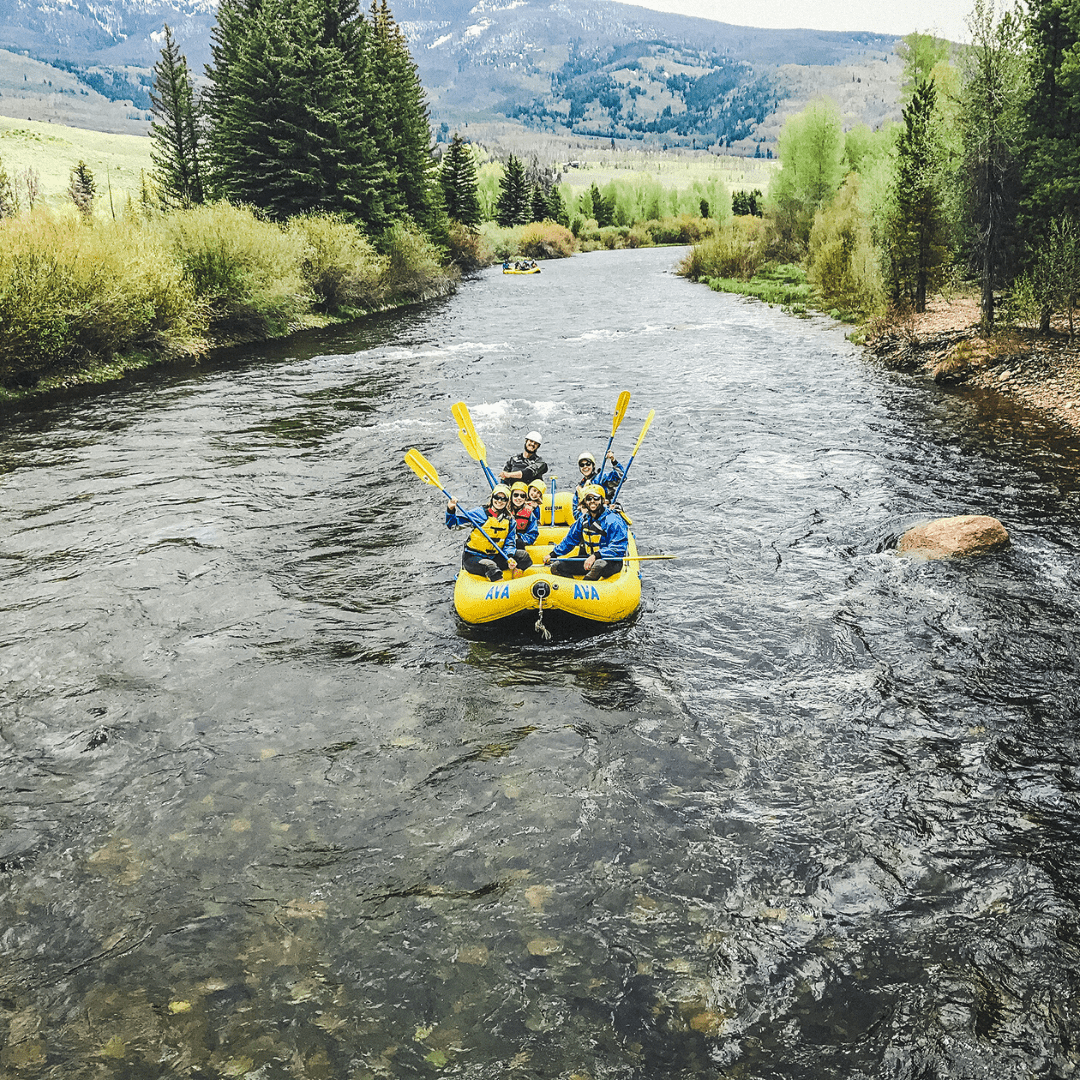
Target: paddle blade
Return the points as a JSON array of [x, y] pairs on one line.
[[620, 411], [472, 442], [648, 421], [422, 467]]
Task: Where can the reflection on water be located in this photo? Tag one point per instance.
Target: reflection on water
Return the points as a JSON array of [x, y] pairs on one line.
[[268, 809]]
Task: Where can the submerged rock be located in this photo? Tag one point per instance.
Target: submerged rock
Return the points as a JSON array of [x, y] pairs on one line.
[[968, 534]]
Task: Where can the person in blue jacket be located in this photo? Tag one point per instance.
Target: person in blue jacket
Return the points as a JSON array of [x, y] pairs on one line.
[[608, 477], [481, 557], [600, 536]]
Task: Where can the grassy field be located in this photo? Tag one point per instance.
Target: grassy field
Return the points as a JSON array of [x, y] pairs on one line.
[[119, 160], [672, 169], [52, 149]]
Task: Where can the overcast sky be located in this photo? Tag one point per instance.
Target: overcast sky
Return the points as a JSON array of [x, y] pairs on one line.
[[946, 18]]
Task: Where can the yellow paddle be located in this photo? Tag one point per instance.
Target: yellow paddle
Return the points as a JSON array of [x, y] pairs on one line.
[[472, 442], [426, 471], [648, 421], [616, 420]]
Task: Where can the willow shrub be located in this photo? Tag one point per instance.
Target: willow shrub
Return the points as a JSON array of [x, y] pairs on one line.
[[413, 269], [546, 240], [71, 292], [844, 266], [340, 267], [247, 270], [468, 249], [737, 249]]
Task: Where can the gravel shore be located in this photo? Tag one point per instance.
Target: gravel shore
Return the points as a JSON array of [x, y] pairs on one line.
[[1040, 371]]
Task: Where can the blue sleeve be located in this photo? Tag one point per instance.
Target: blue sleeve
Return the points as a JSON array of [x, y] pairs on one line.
[[476, 518], [611, 477], [615, 542], [569, 541]]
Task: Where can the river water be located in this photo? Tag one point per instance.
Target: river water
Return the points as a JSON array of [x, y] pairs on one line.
[[268, 809]]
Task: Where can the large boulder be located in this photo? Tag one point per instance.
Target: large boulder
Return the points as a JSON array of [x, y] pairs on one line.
[[969, 534]]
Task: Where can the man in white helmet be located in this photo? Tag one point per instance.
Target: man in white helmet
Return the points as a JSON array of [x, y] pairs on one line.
[[528, 465]]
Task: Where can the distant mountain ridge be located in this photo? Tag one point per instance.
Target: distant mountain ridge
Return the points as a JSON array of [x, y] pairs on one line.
[[590, 68]]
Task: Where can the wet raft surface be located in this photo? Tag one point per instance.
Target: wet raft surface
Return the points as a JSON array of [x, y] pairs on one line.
[[267, 808]]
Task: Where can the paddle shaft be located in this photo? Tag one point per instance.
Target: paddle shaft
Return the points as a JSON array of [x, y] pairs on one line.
[[637, 446], [616, 420]]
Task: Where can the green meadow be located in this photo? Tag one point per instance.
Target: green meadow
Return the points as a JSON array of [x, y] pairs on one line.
[[51, 150]]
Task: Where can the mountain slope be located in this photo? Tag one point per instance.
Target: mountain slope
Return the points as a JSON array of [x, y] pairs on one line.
[[588, 68]]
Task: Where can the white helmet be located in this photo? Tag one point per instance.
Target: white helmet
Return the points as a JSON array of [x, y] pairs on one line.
[[533, 436]]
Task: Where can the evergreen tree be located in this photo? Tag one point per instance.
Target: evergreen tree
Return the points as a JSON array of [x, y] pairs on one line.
[[602, 209], [556, 208], [82, 189], [403, 132], [291, 109], [918, 231], [175, 131], [1051, 150], [538, 204], [993, 93], [457, 177], [512, 205]]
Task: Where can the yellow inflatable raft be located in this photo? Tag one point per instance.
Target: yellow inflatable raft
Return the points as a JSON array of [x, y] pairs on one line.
[[481, 601], [532, 270]]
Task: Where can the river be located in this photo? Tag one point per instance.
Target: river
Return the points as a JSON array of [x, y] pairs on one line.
[[268, 809]]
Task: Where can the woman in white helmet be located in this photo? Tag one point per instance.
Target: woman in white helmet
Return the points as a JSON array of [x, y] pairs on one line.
[[528, 465]]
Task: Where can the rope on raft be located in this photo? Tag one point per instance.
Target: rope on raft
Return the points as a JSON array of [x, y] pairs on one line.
[[540, 628]]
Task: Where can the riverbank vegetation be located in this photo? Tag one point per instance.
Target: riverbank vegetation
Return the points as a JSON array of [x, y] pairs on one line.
[[977, 188]]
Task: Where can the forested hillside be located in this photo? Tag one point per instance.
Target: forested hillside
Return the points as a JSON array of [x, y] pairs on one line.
[[591, 69]]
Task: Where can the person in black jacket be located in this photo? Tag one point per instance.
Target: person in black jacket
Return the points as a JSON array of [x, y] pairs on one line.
[[528, 465]]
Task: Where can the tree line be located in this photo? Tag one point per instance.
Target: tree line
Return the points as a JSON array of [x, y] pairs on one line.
[[980, 179]]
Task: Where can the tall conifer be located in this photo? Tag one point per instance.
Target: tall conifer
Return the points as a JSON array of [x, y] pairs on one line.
[[918, 227], [291, 109], [457, 176], [512, 205], [402, 132], [174, 132]]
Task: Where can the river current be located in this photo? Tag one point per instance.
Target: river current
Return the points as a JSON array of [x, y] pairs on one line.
[[269, 809]]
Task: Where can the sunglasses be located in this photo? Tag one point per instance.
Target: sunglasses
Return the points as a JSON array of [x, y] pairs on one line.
[[583, 464], [592, 498], [498, 498]]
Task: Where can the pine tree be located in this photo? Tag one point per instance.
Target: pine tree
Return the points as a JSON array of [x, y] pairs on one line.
[[512, 205], [918, 229], [291, 109], [175, 131], [994, 89], [538, 204], [1051, 150], [404, 134], [457, 177], [82, 189], [556, 208]]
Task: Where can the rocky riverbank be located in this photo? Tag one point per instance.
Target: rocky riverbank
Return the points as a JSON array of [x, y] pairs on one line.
[[1040, 371]]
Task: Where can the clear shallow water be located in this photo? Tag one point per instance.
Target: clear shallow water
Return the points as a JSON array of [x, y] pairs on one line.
[[267, 808]]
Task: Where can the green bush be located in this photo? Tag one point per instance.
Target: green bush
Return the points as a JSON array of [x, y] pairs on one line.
[[546, 240], [246, 269], [467, 248], [413, 267], [71, 292], [844, 266], [338, 264], [736, 250]]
